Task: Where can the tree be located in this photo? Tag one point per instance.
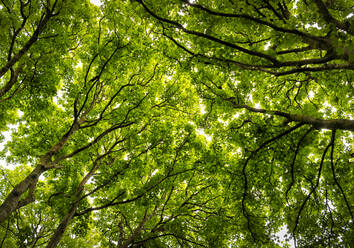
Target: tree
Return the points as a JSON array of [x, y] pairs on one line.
[[281, 38], [230, 48], [177, 123]]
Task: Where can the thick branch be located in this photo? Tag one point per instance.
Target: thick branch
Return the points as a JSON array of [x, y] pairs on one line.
[[138, 229], [244, 173], [272, 68], [13, 200], [209, 37], [333, 124], [13, 79], [274, 65], [80, 188], [330, 19], [27, 46], [253, 19]]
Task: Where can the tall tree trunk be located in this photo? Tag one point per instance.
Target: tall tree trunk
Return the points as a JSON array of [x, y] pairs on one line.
[[58, 234], [140, 227], [13, 200]]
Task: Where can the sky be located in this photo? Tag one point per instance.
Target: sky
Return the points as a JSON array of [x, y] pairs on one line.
[[96, 2], [7, 136]]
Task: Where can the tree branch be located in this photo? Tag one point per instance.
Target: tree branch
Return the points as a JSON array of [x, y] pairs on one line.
[[336, 180], [42, 23], [209, 37], [322, 9], [315, 186], [244, 173], [293, 163], [332, 124]]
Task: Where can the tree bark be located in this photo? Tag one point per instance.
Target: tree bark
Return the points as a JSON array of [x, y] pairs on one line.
[[330, 19], [58, 234], [333, 124], [13, 200], [138, 229], [13, 79], [27, 46]]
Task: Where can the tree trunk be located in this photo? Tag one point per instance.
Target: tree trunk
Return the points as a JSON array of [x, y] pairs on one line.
[[13, 200], [13, 79], [138, 229], [58, 234], [62, 226]]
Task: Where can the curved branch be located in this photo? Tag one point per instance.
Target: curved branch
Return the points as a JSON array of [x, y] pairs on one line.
[[5, 235], [253, 19], [295, 50], [316, 42], [55, 239], [13, 79], [42, 23], [209, 37], [13, 200], [315, 186], [270, 68], [333, 124], [293, 163], [244, 173], [114, 203], [322, 9], [335, 178]]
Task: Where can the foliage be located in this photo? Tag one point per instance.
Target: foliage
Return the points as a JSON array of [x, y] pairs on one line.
[[176, 123]]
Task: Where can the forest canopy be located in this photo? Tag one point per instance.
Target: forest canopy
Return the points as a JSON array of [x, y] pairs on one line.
[[176, 123]]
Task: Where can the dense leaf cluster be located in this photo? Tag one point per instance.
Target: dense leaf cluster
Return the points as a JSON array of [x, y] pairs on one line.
[[155, 123]]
